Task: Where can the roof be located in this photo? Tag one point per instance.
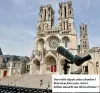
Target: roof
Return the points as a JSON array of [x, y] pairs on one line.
[[1, 52], [95, 49], [14, 58], [8, 58]]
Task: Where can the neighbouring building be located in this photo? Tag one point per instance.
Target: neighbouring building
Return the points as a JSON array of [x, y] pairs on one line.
[[92, 66], [11, 65], [94, 63]]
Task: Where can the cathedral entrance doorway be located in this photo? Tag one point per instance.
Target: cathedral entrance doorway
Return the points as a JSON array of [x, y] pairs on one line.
[[50, 64], [36, 66]]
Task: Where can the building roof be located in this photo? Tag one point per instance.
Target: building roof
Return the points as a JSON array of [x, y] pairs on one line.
[[95, 49], [1, 52], [14, 58], [8, 58]]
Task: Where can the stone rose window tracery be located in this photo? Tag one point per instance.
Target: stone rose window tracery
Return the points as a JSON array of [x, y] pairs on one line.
[[53, 42]]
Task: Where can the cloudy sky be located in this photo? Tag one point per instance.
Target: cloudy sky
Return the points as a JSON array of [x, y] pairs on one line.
[[18, 21]]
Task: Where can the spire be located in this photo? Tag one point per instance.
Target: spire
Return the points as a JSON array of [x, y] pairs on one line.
[[1, 52]]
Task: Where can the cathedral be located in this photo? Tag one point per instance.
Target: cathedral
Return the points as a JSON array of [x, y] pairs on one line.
[[45, 59]]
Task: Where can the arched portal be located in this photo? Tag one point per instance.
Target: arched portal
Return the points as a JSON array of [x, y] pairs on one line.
[[49, 64], [36, 66]]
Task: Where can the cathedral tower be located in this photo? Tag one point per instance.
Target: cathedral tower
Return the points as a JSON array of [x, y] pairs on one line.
[[46, 18], [84, 44], [66, 24], [65, 13]]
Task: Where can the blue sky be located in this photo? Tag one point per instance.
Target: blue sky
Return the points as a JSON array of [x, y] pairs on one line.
[[18, 21]]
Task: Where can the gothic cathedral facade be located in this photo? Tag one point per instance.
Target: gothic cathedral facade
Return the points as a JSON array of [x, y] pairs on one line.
[[49, 37]]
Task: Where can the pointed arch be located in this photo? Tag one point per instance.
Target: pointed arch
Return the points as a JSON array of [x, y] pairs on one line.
[[49, 63], [36, 66], [65, 41]]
